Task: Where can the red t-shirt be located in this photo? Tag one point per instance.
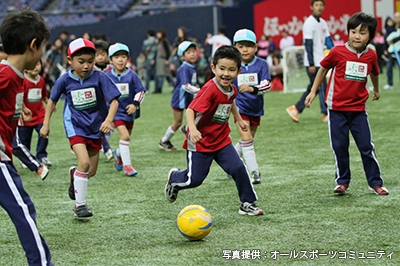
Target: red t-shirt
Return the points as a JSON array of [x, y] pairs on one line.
[[212, 107], [35, 93], [11, 98], [347, 87]]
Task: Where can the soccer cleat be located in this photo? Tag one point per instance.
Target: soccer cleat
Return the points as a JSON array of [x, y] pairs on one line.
[[109, 155], [388, 87], [71, 188], [249, 209], [256, 177], [379, 190], [118, 161], [183, 129], [170, 192], [293, 113], [82, 212], [129, 170], [341, 189], [42, 171], [46, 162], [166, 146], [324, 118]]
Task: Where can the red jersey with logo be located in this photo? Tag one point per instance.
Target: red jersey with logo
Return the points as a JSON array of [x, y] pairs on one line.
[[11, 99], [347, 87], [212, 107], [35, 93]]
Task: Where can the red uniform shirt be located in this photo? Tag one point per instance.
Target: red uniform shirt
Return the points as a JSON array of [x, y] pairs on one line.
[[11, 98], [347, 87], [34, 93], [212, 107]]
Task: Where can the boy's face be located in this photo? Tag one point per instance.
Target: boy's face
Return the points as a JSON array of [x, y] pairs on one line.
[[358, 38], [247, 49], [190, 55], [225, 72], [82, 65], [317, 8], [101, 57], [119, 61], [35, 71]]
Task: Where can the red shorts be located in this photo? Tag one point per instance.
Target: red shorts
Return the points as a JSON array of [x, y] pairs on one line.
[[91, 144], [254, 121], [129, 125]]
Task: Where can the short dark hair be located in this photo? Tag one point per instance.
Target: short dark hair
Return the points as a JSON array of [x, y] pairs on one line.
[[229, 52], [151, 32], [101, 45], [85, 50], [20, 28], [313, 1], [365, 20]]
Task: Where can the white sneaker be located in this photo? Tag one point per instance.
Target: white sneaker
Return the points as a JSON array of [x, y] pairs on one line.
[[109, 155], [387, 87], [42, 171]]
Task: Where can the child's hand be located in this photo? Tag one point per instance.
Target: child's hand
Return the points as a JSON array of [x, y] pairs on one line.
[[245, 88], [309, 99], [195, 135], [376, 96], [26, 114], [44, 132], [106, 127], [243, 125], [130, 109]]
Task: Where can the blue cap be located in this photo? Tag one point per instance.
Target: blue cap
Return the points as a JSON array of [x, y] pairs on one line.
[[184, 46], [244, 35], [116, 48]]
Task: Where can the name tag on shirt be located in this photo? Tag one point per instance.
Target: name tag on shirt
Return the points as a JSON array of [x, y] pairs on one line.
[[123, 89], [34, 95], [19, 98], [356, 71], [250, 79], [222, 113], [84, 98]]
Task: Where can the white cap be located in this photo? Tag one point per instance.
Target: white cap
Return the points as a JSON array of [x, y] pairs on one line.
[[184, 46], [244, 35], [78, 44], [116, 48]]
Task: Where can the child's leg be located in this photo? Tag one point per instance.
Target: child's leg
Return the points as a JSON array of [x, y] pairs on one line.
[[17, 203], [178, 117], [362, 135], [339, 136], [198, 166], [24, 154], [81, 173], [124, 145], [247, 147], [231, 163], [41, 144]]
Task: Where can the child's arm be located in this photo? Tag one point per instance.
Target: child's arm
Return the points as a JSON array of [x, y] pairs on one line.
[[46, 100], [239, 121], [319, 78], [106, 126], [138, 99], [375, 84], [194, 134], [190, 88], [45, 130], [262, 88]]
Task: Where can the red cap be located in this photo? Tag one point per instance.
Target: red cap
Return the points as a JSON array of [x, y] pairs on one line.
[[78, 44]]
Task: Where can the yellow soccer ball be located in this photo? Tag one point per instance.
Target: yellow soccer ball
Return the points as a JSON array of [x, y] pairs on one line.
[[194, 222]]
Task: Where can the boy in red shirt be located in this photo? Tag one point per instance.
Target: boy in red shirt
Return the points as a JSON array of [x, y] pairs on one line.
[[208, 136], [346, 97]]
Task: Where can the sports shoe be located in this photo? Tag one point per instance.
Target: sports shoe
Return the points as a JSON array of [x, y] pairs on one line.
[[293, 113], [42, 171], [170, 192], [71, 188], [324, 118], [45, 161], [249, 209], [341, 189], [82, 212], [129, 170], [183, 129], [118, 161], [109, 155], [388, 87], [379, 190], [166, 146], [256, 177]]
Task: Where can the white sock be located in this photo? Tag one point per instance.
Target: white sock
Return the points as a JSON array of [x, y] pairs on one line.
[[168, 134], [125, 153], [80, 184], [249, 155], [238, 148], [109, 134]]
